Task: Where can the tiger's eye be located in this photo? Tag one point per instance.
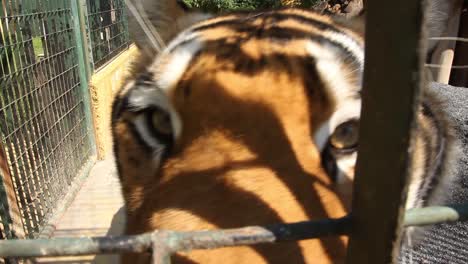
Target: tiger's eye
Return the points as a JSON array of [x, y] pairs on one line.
[[346, 135], [161, 122]]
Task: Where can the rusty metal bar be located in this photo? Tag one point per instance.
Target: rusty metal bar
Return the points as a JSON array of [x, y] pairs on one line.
[[165, 243], [392, 81], [74, 246], [172, 241]]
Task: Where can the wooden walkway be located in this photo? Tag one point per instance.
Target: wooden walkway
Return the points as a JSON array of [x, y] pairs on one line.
[[96, 211]]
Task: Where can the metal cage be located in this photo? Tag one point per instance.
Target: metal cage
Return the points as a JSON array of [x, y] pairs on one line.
[[393, 78], [46, 137]]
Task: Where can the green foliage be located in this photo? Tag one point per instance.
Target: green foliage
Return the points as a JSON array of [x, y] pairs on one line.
[[226, 5], [233, 5], [309, 3], [38, 48]]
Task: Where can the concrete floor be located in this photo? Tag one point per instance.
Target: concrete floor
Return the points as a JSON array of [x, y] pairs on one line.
[[97, 210]]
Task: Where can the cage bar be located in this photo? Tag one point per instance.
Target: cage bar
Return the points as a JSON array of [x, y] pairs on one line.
[[169, 242], [391, 87], [164, 242]]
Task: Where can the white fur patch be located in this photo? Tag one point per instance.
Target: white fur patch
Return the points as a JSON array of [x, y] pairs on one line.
[[176, 124], [347, 110], [348, 105], [184, 36], [345, 166], [329, 67], [321, 136], [168, 69], [350, 44]]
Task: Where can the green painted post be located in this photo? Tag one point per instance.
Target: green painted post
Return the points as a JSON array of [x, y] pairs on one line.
[[89, 60], [83, 71]]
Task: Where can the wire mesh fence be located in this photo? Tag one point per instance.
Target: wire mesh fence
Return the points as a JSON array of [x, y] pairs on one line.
[[44, 132], [107, 29]]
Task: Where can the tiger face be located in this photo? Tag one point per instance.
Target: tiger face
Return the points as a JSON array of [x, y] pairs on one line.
[[243, 119]]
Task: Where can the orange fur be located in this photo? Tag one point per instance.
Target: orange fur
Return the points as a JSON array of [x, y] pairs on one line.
[[246, 155], [253, 92]]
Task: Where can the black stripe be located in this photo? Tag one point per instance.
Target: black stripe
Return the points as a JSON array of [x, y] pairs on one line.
[[329, 163], [229, 50], [426, 110], [269, 17], [280, 17], [166, 140], [244, 25], [311, 80], [116, 154], [119, 105], [423, 190], [138, 138], [434, 167]]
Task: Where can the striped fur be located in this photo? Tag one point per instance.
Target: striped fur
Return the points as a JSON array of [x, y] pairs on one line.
[[231, 125]]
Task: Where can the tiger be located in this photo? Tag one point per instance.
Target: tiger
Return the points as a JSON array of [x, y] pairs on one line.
[[252, 118]]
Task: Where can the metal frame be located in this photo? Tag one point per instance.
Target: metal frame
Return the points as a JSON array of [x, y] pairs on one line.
[[391, 89], [380, 185], [165, 243]]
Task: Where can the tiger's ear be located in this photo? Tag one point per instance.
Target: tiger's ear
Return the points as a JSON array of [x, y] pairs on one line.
[[153, 23]]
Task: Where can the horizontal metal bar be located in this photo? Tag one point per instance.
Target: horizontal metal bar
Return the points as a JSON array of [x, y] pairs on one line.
[[37, 88], [37, 14], [174, 241], [102, 27], [105, 11], [436, 214], [24, 41], [100, 43], [47, 107], [114, 53], [35, 65], [74, 246]]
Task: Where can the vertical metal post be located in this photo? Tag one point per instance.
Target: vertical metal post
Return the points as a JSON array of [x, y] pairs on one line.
[[392, 81], [88, 55], [160, 251], [83, 71]]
